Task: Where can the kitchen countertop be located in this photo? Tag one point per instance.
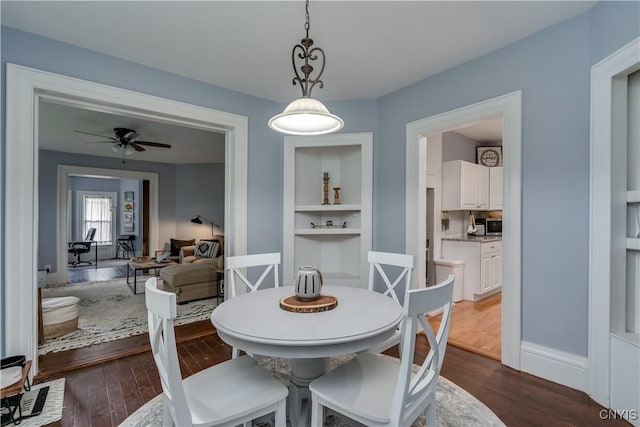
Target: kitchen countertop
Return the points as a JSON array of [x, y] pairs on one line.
[[479, 239]]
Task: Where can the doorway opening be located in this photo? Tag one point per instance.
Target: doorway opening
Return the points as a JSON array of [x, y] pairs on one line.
[[508, 107], [25, 89]]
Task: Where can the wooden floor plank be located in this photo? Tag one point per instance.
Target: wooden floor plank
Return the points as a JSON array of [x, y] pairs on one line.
[[517, 398]]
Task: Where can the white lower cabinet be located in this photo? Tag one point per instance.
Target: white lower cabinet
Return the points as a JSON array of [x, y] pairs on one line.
[[482, 266]]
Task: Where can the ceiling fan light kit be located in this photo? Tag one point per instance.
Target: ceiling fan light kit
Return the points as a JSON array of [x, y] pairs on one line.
[[125, 141], [305, 115]]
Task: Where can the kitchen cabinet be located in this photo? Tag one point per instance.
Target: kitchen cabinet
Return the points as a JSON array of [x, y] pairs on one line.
[[465, 186], [495, 188], [335, 238], [482, 265]]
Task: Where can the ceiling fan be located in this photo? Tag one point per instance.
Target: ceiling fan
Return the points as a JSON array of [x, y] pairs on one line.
[[126, 141]]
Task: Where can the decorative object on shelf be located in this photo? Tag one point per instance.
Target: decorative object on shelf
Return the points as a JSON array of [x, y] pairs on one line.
[[308, 283], [489, 156], [322, 303], [329, 223], [325, 188], [343, 225], [305, 115], [141, 259], [336, 195], [216, 230]]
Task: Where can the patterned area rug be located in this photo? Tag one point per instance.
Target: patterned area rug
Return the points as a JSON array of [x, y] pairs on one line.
[[109, 311], [454, 406]]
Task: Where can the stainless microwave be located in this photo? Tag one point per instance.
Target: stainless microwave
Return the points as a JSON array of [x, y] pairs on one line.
[[493, 227]]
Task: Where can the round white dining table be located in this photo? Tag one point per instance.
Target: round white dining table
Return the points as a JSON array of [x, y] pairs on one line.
[[255, 323]]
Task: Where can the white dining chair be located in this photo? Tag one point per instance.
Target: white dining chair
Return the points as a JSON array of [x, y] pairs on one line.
[[376, 390], [227, 394], [401, 262], [235, 265]]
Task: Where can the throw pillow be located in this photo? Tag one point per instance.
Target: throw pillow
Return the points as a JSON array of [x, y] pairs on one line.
[[177, 244], [206, 249]]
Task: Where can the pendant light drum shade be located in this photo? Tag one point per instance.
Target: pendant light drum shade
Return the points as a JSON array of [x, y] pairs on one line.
[[306, 116]]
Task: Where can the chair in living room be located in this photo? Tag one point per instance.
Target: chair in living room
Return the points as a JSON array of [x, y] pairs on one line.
[[376, 390], [80, 247], [399, 262], [227, 394], [235, 265]]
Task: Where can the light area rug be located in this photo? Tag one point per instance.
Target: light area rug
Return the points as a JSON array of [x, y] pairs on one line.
[[52, 410], [455, 407], [109, 311]]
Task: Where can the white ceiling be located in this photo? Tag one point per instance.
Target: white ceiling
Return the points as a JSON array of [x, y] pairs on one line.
[[372, 48], [58, 123], [489, 130]]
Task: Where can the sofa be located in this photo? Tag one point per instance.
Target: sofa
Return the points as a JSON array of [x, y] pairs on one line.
[[191, 255], [198, 272]]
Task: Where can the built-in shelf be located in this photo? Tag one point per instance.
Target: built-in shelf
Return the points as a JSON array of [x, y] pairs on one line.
[[633, 196], [339, 253], [327, 208], [326, 231], [633, 243]]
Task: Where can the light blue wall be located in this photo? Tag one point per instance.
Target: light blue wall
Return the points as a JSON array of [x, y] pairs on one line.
[[201, 192], [550, 67], [459, 147]]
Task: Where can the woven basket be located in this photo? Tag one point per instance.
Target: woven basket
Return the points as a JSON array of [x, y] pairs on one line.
[[58, 329]]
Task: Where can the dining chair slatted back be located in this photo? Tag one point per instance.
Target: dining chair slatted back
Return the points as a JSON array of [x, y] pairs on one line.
[[378, 259], [161, 307], [414, 390], [235, 265], [373, 389], [204, 398], [398, 261]]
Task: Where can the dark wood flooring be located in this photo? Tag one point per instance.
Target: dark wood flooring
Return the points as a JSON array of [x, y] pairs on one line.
[[105, 394], [106, 270]]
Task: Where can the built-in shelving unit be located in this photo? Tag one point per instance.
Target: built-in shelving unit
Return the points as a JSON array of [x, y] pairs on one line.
[[335, 238]]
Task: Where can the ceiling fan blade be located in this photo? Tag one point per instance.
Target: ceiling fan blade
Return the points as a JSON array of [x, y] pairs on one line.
[[98, 142], [95, 134], [136, 146], [153, 144]]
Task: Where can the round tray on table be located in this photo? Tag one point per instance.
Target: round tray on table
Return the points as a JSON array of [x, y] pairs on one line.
[[322, 303]]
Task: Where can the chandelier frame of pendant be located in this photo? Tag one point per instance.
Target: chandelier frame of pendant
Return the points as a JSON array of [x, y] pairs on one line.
[[306, 115]]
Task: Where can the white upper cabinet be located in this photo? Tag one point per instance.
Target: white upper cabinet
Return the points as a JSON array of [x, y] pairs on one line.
[[465, 186], [495, 188], [334, 237]]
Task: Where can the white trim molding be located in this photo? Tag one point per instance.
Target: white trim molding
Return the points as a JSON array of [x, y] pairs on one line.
[[554, 365], [509, 106], [25, 87], [606, 201]]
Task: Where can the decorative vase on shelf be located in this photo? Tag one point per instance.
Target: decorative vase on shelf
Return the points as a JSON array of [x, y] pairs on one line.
[[336, 195]]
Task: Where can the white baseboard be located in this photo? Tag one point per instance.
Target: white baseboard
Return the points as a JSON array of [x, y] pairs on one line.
[[554, 365]]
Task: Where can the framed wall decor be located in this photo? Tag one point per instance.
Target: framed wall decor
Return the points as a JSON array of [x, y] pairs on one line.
[[128, 223], [489, 156]]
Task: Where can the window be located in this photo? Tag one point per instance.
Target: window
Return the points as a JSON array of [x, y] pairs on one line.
[[98, 214]]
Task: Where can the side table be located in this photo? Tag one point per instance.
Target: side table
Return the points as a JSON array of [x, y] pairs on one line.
[[141, 266], [12, 395]]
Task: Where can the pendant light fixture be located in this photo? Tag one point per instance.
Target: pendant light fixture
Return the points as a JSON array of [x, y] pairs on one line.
[[305, 115]]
